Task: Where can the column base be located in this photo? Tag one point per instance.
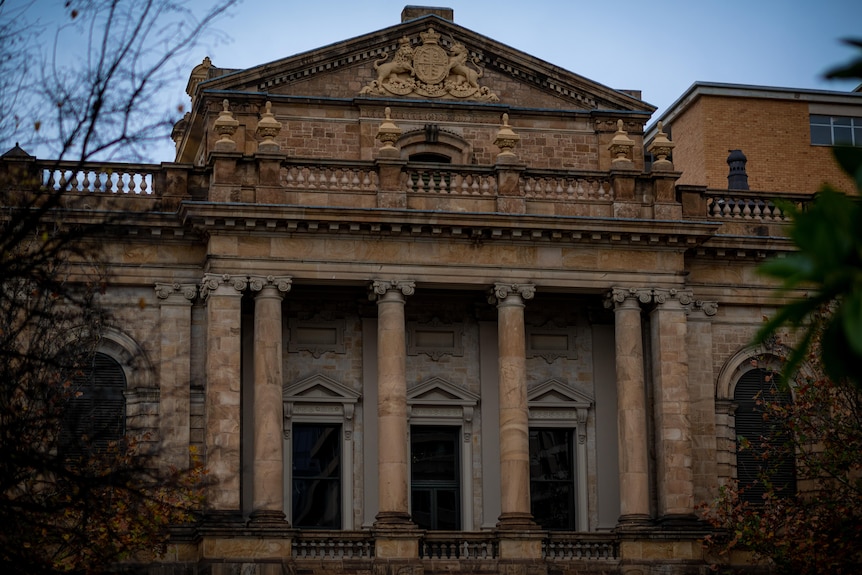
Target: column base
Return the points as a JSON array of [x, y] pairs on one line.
[[393, 520], [634, 522], [268, 517], [516, 521]]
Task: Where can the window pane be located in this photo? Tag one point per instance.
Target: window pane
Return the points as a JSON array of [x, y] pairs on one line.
[[841, 121], [857, 136], [552, 478], [821, 135], [435, 477], [434, 454], [448, 504], [316, 485], [316, 451], [317, 503], [843, 135], [823, 120]]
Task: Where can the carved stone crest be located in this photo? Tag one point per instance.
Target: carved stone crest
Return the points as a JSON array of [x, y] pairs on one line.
[[429, 71]]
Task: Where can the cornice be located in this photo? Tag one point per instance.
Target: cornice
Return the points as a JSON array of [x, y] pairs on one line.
[[216, 218]]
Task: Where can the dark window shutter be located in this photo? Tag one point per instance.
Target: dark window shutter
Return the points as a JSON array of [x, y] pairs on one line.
[[751, 466], [96, 415]]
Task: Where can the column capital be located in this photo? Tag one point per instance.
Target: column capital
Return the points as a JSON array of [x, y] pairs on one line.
[[281, 283], [664, 298], [176, 293], [709, 308], [502, 291], [212, 282], [616, 297], [379, 288]]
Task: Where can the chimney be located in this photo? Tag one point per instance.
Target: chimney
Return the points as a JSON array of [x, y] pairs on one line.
[[413, 12], [737, 179]]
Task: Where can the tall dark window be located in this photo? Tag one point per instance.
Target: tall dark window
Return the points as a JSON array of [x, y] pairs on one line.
[[552, 478], [316, 481], [95, 416], [759, 433], [435, 477]]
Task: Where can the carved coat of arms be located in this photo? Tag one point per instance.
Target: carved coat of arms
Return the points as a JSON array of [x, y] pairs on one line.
[[429, 71]]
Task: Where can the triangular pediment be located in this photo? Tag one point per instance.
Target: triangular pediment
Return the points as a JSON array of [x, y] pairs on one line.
[[319, 388], [440, 391], [347, 68], [556, 392]]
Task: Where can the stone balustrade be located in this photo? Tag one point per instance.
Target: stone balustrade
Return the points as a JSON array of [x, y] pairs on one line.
[[582, 546], [355, 183], [463, 181], [323, 545], [96, 178], [458, 545], [567, 187]]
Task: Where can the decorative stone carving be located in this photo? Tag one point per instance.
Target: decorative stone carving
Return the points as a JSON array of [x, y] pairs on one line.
[[506, 139], [225, 126], [429, 71], [709, 308], [388, 132], [380, 287], [282, 283], [268, 128], [661, 147], [501, 291], [435, 339], [212, 281], [619, 295], [551, 343], [166, 290], [621, 146]]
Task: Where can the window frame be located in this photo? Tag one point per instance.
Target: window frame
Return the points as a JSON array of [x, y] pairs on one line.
[[319, 400], [831, 123]]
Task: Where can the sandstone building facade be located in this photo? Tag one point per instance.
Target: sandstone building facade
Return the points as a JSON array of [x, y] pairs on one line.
[[418, 302]]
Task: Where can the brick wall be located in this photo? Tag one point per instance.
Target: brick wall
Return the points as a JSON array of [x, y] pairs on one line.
[[773, 134]]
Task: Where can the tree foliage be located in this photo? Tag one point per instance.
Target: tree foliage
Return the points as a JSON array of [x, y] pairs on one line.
[[69, 501], [817, 530], [828, 264]]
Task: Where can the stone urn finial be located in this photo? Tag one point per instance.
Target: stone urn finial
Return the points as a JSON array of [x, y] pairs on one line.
[[388, 132], [225, 126], [268, 128], [506, 138], [661, 147], [621, 146]]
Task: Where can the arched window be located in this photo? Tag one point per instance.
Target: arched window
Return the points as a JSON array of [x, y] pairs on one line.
[[758, 433], [95, 416]]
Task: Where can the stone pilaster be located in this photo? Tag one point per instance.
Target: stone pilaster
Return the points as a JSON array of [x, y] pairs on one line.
[[223, 295], [668, 327], [514, 417], [268, 409], [631, 405], [175, 324], [392, 403]]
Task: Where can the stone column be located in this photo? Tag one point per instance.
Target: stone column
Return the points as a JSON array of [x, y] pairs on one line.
[[223, 295], [392, 403], [675, 485], [631, 405], [175, 326], [268, 409], [514, 418]]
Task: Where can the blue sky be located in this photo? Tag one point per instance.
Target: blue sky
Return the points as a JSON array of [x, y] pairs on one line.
[[658, 47]]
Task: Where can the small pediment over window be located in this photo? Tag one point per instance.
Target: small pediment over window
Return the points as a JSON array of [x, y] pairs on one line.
[[437, 391], [557, 393], [319, 389]]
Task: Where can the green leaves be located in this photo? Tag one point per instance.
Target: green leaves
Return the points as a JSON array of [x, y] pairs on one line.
[[829, 264]]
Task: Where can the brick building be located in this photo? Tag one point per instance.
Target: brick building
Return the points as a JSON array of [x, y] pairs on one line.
[[785, 133], [420, 305]]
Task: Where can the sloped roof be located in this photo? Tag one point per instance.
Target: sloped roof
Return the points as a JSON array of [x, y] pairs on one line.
[[574, 91]]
